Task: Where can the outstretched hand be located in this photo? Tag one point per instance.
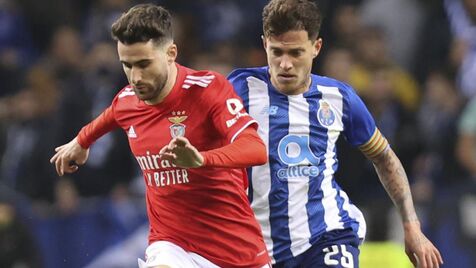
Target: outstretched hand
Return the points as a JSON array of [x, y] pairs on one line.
[[182, 153], [422, 253], [69, 157]]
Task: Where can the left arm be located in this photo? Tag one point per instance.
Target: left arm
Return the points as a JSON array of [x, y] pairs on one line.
[[394, 179], [246, 150]]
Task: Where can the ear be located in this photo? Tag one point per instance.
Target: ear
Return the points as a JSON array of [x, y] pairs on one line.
[[172, 53], [317, 47], [264, 41]]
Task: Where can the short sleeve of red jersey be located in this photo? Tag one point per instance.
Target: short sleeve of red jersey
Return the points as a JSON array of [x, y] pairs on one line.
[[227, 110]]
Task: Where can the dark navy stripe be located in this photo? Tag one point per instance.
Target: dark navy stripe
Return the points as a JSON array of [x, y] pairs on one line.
[[279, 193]]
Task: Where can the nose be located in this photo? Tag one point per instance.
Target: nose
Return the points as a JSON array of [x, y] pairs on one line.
[[285, 63], [136, 75]]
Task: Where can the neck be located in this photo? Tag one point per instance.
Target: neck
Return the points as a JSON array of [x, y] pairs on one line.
[[169, 84], [295, 91]]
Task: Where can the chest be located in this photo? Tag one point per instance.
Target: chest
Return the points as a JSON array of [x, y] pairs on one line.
[[150, 128]]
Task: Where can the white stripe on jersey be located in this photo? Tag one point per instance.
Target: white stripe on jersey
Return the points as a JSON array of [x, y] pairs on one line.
[[298, 186], [355, 213], [334, 98], [128, 91], [331, 211], [208, 77], [261, 175], [202, 81]]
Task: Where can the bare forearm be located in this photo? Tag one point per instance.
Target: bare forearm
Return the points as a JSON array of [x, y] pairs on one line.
[[394, 179]]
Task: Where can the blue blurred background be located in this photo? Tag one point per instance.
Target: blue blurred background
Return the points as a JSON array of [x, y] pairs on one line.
[[412, 61]]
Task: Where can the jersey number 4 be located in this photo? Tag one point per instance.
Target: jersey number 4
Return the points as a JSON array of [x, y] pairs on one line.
[[234, 106]]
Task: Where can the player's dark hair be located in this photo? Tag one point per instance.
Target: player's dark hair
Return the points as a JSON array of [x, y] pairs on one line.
[[142, 23], [280, 16]]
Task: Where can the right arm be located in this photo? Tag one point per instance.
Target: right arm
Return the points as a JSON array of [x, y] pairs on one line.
[[71, 155]]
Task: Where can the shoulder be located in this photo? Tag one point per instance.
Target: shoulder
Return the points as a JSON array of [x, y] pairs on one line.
[[201, 79], [242, 74], [125, 95], [331, 86]]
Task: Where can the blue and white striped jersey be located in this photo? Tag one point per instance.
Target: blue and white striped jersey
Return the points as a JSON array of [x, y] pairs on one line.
[[294, 196]]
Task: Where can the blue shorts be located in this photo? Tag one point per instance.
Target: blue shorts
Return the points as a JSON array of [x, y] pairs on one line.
[[334, 249]]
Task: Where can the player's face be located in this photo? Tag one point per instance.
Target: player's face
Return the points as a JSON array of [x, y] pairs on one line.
[[147, 67], [290, 58]]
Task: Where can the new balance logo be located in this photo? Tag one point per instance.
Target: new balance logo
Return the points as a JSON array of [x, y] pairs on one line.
[[131, 133], [202, 81]]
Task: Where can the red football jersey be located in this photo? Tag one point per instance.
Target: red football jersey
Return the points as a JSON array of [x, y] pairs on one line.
[[203, 210]]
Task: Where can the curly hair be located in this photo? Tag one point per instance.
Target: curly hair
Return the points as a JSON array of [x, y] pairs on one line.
[[142, 23], [280, 16]]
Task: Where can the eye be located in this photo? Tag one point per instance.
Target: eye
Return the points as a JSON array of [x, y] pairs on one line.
[[143, 64], [127, 65], [277, 52], [295, 53]]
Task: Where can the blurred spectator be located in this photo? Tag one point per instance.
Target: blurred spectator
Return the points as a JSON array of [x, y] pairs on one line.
[[462, 17], [400, 21], [17, 245], [466, 149], [98, 21], [437, 119], [434, 46], [220, 21], [371, 54], [30, 132], [338, 64], [65, 60], [346, 25], [16, 47], [43, 17]]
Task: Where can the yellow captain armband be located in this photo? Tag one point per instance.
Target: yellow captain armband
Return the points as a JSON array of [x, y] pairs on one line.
[[376, 145]]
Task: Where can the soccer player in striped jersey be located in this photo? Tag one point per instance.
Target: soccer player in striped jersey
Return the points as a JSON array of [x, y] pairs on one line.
[[306, 218], [192, 139]]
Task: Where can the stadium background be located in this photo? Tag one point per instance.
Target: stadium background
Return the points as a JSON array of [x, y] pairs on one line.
[[412, 61]]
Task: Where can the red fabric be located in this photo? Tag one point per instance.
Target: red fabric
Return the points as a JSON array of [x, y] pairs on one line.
[[246, 150], [101, 125], [203, 210]]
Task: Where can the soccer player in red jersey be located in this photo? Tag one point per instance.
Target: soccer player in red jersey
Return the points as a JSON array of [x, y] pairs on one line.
[[192, 139]]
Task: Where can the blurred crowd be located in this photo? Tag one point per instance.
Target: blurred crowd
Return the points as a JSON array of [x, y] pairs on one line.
[[412, 61]]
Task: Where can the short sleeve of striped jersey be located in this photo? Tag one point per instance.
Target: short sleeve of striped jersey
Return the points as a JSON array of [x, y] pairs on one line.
[[359, 125], [238, 79]]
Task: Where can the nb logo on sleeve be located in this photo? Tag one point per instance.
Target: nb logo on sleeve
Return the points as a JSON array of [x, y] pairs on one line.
[[295, 151]]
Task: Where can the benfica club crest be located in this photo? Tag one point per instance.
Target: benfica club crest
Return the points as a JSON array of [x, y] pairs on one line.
[[177, 129]]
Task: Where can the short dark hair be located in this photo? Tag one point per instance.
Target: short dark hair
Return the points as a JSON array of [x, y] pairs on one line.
[[142, 23], [280, 16]]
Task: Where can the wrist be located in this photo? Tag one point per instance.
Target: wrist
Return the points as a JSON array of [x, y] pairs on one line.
[[204, 161], [410, 225], [81, 143]]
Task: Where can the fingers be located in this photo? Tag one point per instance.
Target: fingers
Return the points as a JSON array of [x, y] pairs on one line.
[[413, 258], [53, 159], [168, 156], [439, 258], [57, 149], [181, 141], [63, 164], [430, 259]]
